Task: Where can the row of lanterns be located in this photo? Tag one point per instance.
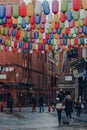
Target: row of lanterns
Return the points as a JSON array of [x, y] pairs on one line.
[[23, 10], [38, 29], [55, 44]]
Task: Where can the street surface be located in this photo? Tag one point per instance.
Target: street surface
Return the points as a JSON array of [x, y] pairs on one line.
[[26, 120]]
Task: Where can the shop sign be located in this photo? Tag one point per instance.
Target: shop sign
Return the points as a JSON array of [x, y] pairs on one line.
[[68, 78], [2, 76]]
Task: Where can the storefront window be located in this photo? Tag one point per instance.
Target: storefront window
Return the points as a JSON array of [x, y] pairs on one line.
[[2, 97]]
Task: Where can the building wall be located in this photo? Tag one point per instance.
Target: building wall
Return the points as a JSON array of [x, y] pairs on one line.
[[41, 75], [37, 65]]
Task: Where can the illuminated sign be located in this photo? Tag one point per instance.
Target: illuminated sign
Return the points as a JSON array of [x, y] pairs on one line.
[[68, 78], [2, 76]]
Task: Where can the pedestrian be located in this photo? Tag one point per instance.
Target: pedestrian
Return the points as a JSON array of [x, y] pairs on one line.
[[41, 103], [78, 108], [11, 102], [33, 103], [68, 107], [59, 108]]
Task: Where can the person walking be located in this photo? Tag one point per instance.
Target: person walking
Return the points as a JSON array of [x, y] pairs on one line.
[[41, 103], [59, 108], [78, 108], [68, 107], [11, 102], [33, 104]]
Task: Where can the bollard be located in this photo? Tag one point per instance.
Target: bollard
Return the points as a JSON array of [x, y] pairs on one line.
[[1, 108], [49, 107]]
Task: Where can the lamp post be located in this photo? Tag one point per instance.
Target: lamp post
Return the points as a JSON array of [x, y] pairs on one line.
[[28, 73], [28, 66], [52, 84], [43, 58]]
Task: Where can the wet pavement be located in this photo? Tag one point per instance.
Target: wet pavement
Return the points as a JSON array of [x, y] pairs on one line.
[[26, 120]]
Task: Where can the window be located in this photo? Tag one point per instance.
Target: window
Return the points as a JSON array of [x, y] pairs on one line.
[[3, 97]]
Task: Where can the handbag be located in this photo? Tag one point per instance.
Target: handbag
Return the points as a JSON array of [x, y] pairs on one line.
[[59, 106]]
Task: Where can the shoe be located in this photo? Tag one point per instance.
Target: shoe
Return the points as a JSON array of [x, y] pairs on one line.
[[59, 125]]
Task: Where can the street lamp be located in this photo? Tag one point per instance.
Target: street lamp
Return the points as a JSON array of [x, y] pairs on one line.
[[43, 59], [52, 84]]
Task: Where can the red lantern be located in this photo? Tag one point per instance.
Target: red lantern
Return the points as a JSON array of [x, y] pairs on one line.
[[69, 46], [77, 46], [22, 10], [49, 47], [42, 30], [37, 52], [76, 41], [57, 25], [10, 22], [32, 19], [33, 26], [17, 34], [47, 35], [76, 5], [85, 21], [40, 47], [15, 44], [67, 30], [14, 49], [63, 17], [44, 41]]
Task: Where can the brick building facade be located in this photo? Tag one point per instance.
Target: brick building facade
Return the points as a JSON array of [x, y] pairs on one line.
[[23, 75]]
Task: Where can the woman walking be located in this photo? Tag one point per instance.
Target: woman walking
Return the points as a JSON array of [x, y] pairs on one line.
[[68, 107], [78, 108], [59, 108]]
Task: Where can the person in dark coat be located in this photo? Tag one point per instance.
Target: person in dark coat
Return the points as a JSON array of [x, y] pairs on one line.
[[33, 104], [11, 102], [41, 103], [68, 106], [78, 108]]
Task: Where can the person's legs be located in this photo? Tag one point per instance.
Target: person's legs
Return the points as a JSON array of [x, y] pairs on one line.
[[67, 114], [59, 116], [70, 115], [10, 108], [35, 108], [40, 108], [43, 108], [79, 113]]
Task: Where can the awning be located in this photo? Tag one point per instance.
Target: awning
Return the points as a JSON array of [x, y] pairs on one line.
[[16, 85]]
